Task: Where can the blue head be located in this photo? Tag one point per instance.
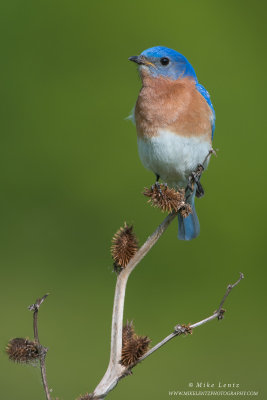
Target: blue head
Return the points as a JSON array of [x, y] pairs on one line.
[[161, 61]]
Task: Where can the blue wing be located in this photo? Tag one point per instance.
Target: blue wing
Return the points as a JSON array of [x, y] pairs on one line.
[[206, 96]]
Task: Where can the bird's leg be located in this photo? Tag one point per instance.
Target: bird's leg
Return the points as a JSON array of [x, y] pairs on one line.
[[157, 184], [200, 190], [194, 178]]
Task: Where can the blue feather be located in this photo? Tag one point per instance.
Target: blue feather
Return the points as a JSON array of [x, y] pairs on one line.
[[179, 67], [206, 96], [188, 227]]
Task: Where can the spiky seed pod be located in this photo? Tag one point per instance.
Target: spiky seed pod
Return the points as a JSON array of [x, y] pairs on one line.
[[185, 210], [87, 396], [167, 199], [133, 346], [127, 332], [124, 246], [134, 350], [188, 329], [183, 329], [22, 351]]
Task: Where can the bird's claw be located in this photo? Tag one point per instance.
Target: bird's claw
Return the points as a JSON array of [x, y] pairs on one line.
[[157, 185], [159, 188], [194, 179], [200, 190]]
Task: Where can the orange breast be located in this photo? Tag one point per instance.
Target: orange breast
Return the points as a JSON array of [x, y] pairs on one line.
[[174, 105]]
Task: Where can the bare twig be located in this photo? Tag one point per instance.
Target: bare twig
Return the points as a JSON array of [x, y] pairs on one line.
[[42, 350], [229, 288], [182, 329], [212, 151]]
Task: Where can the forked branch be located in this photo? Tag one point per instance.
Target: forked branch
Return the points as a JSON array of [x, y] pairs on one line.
[[115, 370]]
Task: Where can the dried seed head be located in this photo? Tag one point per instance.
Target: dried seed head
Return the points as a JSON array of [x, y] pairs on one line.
[[127, 332], [134, 350], [22, 350], [183, 329], [124, 246], [167, 199], [133, 346], [87, 396], [187, 329], [185, 210]]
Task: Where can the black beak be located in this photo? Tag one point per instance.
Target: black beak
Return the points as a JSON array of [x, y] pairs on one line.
[[137, 59]]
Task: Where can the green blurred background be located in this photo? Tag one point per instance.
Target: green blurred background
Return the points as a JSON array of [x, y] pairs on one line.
[[70, 176]]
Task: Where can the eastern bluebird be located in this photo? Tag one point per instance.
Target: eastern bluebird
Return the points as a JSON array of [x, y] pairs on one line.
[[175, 121]]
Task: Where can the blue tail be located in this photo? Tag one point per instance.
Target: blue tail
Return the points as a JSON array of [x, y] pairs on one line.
[[188, 228]]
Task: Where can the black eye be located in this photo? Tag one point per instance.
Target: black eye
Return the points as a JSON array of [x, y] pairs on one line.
[[164, 61]]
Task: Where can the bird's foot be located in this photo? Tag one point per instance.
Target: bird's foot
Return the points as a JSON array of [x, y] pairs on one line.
[[194, 179], [197, 173], [200, 190], [157, 186]]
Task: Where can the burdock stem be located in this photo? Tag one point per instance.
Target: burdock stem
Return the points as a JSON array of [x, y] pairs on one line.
[[115, 370], [42, 350]]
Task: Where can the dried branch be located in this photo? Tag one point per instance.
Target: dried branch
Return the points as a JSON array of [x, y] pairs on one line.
[[42, 350], [185, 329], [115, 370], [229, 288]]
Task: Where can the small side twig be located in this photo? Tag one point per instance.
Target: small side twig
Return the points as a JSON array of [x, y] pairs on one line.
[[220, 310], [42, 350], [185, 329]]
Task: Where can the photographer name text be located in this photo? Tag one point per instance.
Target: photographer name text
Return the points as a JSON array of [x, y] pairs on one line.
[[219, 384]]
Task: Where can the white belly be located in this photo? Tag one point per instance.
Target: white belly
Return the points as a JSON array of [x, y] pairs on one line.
[[173, 157]]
